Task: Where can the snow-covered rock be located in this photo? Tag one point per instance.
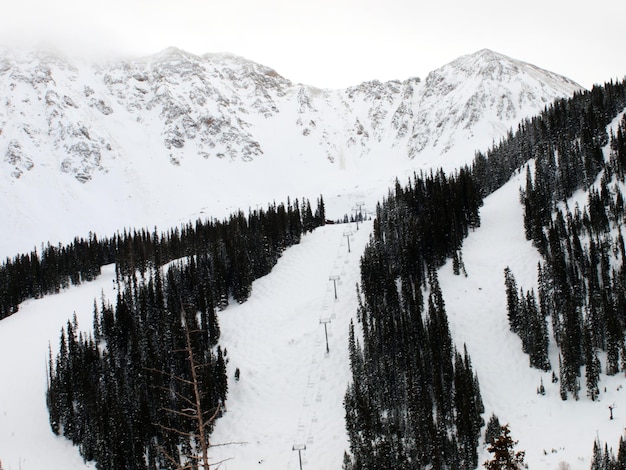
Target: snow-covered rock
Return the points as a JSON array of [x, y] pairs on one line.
[[157, 139]]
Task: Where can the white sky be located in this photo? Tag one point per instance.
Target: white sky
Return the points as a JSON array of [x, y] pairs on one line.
[[336, 43]]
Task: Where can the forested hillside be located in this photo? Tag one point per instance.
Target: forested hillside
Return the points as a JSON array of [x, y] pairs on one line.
[[414, 400], [130, 394], [246, 247], [573, 212], [144, 389]]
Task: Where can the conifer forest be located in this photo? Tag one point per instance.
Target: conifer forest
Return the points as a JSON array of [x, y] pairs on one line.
[[145, 387], [122, 394]]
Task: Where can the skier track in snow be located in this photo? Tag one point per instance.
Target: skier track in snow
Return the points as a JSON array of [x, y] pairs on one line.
[[290, 393]]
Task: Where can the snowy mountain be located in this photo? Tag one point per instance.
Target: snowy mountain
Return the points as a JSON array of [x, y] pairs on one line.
[[103, 146], [291, 391], [155, 140], [479, 95]]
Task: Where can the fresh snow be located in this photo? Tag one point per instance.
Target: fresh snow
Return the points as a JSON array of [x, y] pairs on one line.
[[26, 440], [550, 430], [290, 392], [87, 147]]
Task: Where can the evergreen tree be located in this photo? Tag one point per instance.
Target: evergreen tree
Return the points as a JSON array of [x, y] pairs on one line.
[[413, 401], [620, 463], [504, 455], [105, 393], [493, 429], [592, 365], [562, 383], [320, 212], [512, 300], [597, 457], [537, 335]]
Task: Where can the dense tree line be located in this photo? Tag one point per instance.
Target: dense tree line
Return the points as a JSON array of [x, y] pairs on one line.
[[108, 392], [582, 281], [414, 400], [528, 320], [266, 232], [401, 409], [34, 274], [603, 457], [567, 136], [122, 392]]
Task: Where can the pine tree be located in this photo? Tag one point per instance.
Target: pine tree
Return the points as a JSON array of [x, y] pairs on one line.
[[562, 383], [592, 364], [537, 334], [347, 462], [493, 430], [621, 454], [320, 212], [596, 459], [504, 455], [512, 300], [456, 267], [607, 458]]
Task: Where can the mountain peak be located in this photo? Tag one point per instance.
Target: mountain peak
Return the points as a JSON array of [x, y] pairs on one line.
[[487, 63], [497, 67], [178, 117], [483, 93], [488, 54]]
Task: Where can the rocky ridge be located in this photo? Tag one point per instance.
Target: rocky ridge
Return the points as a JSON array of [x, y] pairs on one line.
[[60, 114], [162, 134]]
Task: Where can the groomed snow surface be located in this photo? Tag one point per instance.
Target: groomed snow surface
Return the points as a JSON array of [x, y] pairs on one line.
[[291, 390]]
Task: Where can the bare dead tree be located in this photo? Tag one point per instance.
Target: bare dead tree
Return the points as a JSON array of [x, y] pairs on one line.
[[191, 409]]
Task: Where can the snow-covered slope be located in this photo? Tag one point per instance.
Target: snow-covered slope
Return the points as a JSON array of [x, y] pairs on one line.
[[302, 403], [549, 430], [174, 136], [162, 139], [480, 95], [291, 391]]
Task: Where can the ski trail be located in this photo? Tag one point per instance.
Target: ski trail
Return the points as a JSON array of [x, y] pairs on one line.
[[24, 341], [290, 394], [550, 430], [291, 390]]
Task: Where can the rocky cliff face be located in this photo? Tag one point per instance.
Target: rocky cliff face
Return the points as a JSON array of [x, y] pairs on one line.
[[67, 116], [120, 131], [481, 94]]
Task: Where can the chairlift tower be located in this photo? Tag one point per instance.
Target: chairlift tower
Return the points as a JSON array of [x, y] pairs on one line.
[[299, 448], [325, 321], [334, 278]]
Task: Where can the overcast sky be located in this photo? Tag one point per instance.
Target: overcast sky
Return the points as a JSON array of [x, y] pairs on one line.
[[336, 43]]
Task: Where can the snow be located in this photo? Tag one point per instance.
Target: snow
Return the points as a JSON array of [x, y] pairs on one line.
[[227, 105], [548, 429], [26, 440], [291, 391]]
